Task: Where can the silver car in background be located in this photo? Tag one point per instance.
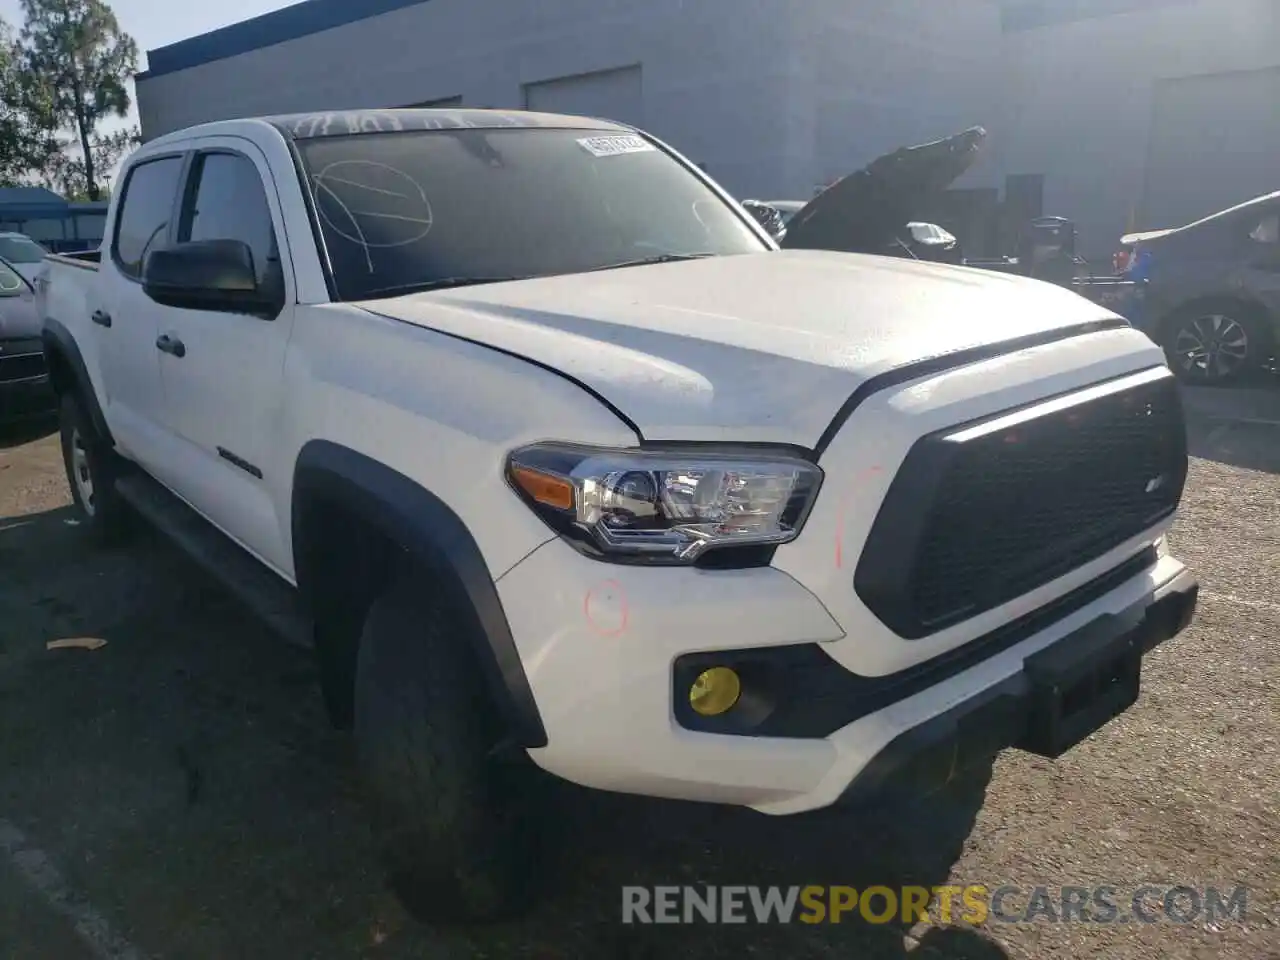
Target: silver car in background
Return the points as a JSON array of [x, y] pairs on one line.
[[22, 254], [24, 376]]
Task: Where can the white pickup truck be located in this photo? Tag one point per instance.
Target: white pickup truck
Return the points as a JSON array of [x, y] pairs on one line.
[[551, 454]]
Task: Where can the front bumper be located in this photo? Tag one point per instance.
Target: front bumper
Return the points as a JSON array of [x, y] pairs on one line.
[[600, 642], [26, 399], [1062, 694]]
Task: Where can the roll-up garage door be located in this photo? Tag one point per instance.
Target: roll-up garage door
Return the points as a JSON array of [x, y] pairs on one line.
[[610, 94], [1215, 142]]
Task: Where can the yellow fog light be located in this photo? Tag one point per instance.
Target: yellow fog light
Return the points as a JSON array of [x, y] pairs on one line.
[[715, 692]]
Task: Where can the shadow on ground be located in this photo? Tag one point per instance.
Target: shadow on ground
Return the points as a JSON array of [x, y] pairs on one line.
[[26, 431], [648, 843], [1239, 427], [1251, 446], [183, 778]]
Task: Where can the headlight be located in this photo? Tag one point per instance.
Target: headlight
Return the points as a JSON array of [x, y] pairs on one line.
[[667, 506]]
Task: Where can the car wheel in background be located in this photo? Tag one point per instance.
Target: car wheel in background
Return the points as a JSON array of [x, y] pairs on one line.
[[1214, 343]]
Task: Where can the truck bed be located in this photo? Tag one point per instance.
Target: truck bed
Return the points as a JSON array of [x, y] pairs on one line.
[[66, 287], [85, 260]]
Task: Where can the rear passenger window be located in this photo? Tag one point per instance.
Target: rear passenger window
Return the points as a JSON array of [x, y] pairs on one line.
[[145, 207], [226, 201]]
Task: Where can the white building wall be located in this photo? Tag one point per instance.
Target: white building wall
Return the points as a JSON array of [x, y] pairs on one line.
[[777, 96], [772, 96], [1078, 98], [713, 85], [882, 74]]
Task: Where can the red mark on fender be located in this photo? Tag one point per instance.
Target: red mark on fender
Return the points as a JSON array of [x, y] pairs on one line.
[[858, 481], [605, 608]]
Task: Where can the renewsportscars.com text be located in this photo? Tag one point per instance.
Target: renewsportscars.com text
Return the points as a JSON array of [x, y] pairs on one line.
[[974, 904]]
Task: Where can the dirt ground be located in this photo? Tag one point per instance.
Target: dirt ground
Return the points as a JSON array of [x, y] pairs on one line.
[[177, 794]]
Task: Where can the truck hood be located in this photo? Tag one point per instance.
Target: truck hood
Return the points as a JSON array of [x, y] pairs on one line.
[[865, 211], [754, 347]]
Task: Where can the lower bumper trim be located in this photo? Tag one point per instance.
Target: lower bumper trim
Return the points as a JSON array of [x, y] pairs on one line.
[[1062, 695], [29, 398]]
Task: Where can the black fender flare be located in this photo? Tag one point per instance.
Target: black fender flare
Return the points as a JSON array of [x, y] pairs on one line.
[[422, 524], [63, 358]]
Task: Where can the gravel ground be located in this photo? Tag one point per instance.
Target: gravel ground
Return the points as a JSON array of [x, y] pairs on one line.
[[176, 793]]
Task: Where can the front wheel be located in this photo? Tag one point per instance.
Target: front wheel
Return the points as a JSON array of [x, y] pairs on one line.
[[452, 821], [1213, 344]]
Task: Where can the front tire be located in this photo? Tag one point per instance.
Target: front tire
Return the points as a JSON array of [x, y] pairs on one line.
[[91, 469], [1214, 343], [452, 821]]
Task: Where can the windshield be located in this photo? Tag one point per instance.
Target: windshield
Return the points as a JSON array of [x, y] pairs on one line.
[[410, 209], [21, 250]]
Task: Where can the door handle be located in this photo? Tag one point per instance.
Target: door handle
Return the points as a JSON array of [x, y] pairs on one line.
[[171, 345], [101, 318]]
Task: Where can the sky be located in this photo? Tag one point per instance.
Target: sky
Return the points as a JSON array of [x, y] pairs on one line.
[[155, 23]]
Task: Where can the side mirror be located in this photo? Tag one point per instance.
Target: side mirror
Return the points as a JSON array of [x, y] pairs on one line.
[[207, 275]]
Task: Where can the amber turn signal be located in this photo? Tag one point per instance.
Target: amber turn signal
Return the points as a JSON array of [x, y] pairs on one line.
[[548, 490]]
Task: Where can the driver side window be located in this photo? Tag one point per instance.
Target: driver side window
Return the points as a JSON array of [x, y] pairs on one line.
[[226, 201]]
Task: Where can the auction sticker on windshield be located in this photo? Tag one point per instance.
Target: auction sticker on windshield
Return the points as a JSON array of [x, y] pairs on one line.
[[615, 146]]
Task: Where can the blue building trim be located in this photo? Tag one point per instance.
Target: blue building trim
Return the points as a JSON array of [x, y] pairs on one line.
[[1017, 15], [279, 26], [34, 197], [79, 223]]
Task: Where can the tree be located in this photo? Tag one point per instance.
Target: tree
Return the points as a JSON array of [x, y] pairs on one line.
[[74, 64], [66, 173], [23, 147]]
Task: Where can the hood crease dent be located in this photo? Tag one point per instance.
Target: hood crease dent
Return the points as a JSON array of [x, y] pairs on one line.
[[743, 348]]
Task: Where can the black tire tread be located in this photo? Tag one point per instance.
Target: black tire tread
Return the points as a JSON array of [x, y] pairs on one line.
[[446, 814], [111, 517]]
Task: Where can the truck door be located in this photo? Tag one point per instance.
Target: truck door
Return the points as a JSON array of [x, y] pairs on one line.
[[222, 371], [124, 318]]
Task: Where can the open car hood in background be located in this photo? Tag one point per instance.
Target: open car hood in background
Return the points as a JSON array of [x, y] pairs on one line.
[[1129, 239], [865, 211]]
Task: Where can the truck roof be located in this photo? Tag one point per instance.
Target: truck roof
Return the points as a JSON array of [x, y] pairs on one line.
[[342, 123]]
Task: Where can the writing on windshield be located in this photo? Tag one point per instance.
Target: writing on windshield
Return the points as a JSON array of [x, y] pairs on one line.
[[410, 209]]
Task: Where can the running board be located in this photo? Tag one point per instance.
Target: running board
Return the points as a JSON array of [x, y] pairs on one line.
[[271, 598]]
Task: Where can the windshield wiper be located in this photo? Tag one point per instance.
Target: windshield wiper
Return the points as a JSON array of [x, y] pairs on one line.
[[444, 283], [646, 261]]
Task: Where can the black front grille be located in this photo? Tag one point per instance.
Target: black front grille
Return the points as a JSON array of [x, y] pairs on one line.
[[25, 367], [21, 360], [984, 513]]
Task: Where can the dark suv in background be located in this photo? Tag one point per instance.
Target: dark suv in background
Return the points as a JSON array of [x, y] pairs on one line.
[[1213, 290]]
